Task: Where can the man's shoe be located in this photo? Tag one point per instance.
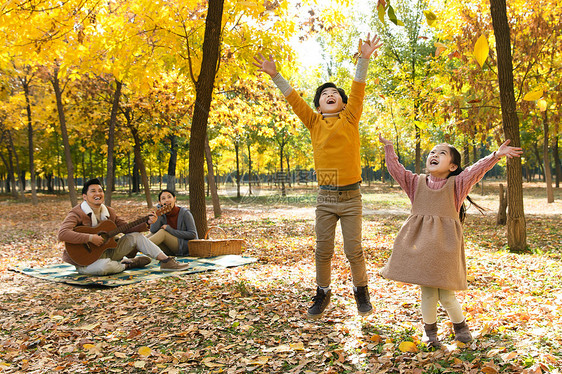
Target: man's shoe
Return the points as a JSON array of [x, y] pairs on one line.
[[363, 301], [137, 262], [430, 335], [321, 301], [462, 332], [172, 265]]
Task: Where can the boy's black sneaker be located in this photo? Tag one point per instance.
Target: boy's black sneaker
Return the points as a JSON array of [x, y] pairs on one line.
[[321, 301], [363, 301]]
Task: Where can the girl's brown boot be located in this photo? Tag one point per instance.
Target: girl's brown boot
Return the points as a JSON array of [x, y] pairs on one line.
[[462, 333], [430, 335]]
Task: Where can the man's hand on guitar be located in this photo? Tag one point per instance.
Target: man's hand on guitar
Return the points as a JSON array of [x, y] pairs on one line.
[[96, 239], [152, 218]]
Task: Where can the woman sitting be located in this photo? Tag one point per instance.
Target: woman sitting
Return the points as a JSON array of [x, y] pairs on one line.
[[173, 230]]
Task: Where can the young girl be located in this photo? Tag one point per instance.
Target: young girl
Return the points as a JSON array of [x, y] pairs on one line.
[[429, 249], [173, 230]]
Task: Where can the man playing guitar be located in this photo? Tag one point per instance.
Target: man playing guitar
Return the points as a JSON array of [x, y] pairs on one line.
[[91, 213]]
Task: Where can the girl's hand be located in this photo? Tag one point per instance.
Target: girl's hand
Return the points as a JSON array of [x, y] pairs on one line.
[[507, 151], [164, 227], [370, 45], [384, 141], [266, 66]]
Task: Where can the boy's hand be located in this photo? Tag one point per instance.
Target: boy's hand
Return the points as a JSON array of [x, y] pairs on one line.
[[267, 66], [370, 46], [507, 151], [384, 141]]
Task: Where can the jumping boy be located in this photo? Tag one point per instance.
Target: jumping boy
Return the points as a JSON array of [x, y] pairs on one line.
[[334, 132]]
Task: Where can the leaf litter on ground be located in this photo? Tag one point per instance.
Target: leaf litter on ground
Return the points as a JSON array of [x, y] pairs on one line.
[[251, 319]]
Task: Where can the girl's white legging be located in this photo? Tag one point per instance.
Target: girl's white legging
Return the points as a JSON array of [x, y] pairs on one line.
[[429, 298]]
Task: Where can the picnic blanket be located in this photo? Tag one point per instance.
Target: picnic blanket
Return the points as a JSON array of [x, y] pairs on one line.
[[67, 273]]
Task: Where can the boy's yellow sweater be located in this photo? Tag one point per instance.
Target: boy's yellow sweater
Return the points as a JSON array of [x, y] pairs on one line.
[[335, 140]]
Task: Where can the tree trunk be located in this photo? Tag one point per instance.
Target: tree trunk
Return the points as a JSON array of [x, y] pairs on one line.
[[546, 160], [17, 168], [140, 164], [203, 96], [287, 158], [11, 179], [136, 176], [34, 201], [418, 150], [111, 143], [501, 217], [211, 178], [249, 168], [557, 166], [539, 159], [64, 133], [281, 172], [237, 151], [516, 227], [171, 182]]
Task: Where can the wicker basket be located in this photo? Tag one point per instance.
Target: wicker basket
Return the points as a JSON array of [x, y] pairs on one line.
[[215, 247]]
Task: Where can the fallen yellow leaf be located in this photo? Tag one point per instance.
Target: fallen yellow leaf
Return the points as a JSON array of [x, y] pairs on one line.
[[262, 360], [408, 347], [509, 356], [297, 346], [89, 327], [376, 338], [208, 362], [139, 364], [145, 351]]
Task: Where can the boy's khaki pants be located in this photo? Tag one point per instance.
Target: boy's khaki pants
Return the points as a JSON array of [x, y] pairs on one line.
[[345, 206]]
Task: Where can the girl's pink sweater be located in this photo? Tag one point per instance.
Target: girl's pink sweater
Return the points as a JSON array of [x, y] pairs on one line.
[[463, 182]]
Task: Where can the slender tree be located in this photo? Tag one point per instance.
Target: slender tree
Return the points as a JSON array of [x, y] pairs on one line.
[[516, 228], [111, 143], [212, 182], [26, 81], [204, 94], [55, 81]]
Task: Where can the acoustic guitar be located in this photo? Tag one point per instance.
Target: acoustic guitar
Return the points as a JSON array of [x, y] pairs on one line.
[[86, 253]]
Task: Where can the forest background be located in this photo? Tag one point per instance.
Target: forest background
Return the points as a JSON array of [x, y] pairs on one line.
[[91, 89]]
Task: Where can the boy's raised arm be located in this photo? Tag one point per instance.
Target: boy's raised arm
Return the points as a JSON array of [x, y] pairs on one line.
[[370, 46], [265, 65], [367, 49], [268, 67]]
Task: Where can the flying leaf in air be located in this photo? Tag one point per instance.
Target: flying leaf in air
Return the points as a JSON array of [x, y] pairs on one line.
[[533, 95], [381, 12], [542, 105], [481, 50], [440, 47], [393, 18], [430, 17]]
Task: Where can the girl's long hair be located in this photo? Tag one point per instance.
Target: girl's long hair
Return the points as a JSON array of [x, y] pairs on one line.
[[456, 159]]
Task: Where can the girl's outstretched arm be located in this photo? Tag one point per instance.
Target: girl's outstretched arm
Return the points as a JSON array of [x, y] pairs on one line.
[[384, 141], [474, 173], [508, 151], [405, 178]]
